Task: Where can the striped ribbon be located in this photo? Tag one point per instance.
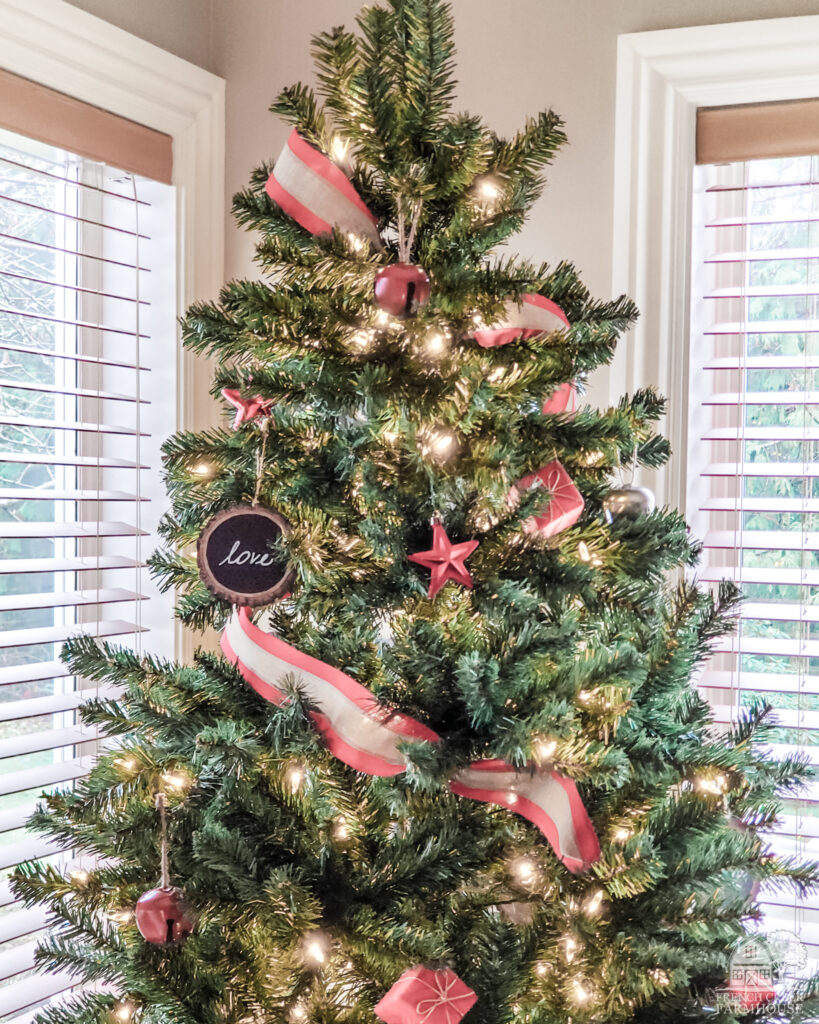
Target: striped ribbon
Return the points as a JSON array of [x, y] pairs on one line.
[[368, 737]]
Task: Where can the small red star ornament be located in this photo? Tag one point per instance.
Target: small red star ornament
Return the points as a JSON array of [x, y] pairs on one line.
[[446, 560], [247, 409]]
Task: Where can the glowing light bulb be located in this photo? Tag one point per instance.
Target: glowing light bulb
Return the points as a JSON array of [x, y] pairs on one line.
[[659, 976], [571, 948], [356, 242], [341, 829], [298, 1011], [442, 442], [594, 902], [488, 189], [361, 340], [478, 321], [435, 344], [583, 552], [541, 969], [383, 318], [203, 470], [390, 436], [176, 780], [512, 799], [715, 785], [295, 777], [545, 749], [338, 149], [316, 953], [123, 1010], [580, 993], [622, 835], [524, 871], [315, 949], [584, 696], [79, 875], [126, 763]]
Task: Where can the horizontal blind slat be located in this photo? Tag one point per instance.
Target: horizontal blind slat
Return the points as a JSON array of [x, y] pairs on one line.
[[57, 634], [67, 599], [78, 530]]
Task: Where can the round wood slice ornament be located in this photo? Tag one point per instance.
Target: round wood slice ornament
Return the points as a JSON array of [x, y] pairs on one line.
[[236, 557]]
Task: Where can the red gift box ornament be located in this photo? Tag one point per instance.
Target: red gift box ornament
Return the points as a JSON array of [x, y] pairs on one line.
[[565, 504], [317, 194], [564, 399], [425, 996], [534, 315]]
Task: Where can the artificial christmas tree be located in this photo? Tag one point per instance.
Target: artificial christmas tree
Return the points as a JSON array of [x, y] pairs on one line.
[[511, 791]]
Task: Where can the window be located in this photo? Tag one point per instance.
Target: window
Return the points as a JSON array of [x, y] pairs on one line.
[[86, 288], [750, 488], [753, 459], [57, 433]]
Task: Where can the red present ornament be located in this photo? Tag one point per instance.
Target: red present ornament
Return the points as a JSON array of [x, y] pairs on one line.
[[534, 315], [562, 400], [565, 504], [425, 996]]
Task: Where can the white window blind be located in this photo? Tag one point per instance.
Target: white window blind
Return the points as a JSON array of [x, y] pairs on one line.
[[753, 460], [87, 391]]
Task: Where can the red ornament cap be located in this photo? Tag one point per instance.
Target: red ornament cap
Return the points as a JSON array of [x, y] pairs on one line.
[[161, 916], [401, 288], [446, 560]]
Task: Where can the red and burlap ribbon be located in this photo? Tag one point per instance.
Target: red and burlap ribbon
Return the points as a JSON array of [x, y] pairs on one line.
[[366, 736], [317, 194], [535, 314]]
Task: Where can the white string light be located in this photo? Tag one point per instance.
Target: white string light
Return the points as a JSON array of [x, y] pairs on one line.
[[361, 340], [594, 903], [123, 1010], [295, 776], [338, 149], [580, 992]]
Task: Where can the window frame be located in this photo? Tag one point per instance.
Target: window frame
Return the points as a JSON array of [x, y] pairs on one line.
[[662, 78], [67, 49]]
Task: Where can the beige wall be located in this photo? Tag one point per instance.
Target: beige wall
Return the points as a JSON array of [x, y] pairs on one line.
[[515, 57], [181, 26]]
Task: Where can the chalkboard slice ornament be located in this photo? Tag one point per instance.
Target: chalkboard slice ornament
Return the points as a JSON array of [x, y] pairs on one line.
[[236, 556]]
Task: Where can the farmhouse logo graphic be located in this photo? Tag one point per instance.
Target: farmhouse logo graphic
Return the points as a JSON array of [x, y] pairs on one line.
[[762, 971]]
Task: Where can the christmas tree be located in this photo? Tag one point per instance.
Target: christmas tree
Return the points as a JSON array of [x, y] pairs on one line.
[[450, 759]]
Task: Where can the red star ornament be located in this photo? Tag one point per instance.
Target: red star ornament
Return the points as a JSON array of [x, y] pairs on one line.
[[446, 560], [247, 409]]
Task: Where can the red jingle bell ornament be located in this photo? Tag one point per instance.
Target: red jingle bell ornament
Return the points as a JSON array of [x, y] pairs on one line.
[[161, 916], [401, 288]]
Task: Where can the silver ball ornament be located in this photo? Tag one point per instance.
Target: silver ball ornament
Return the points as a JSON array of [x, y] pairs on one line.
[[630, 502]]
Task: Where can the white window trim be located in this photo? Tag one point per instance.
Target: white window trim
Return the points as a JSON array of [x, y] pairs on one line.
[[58, 45], [662, 77]]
